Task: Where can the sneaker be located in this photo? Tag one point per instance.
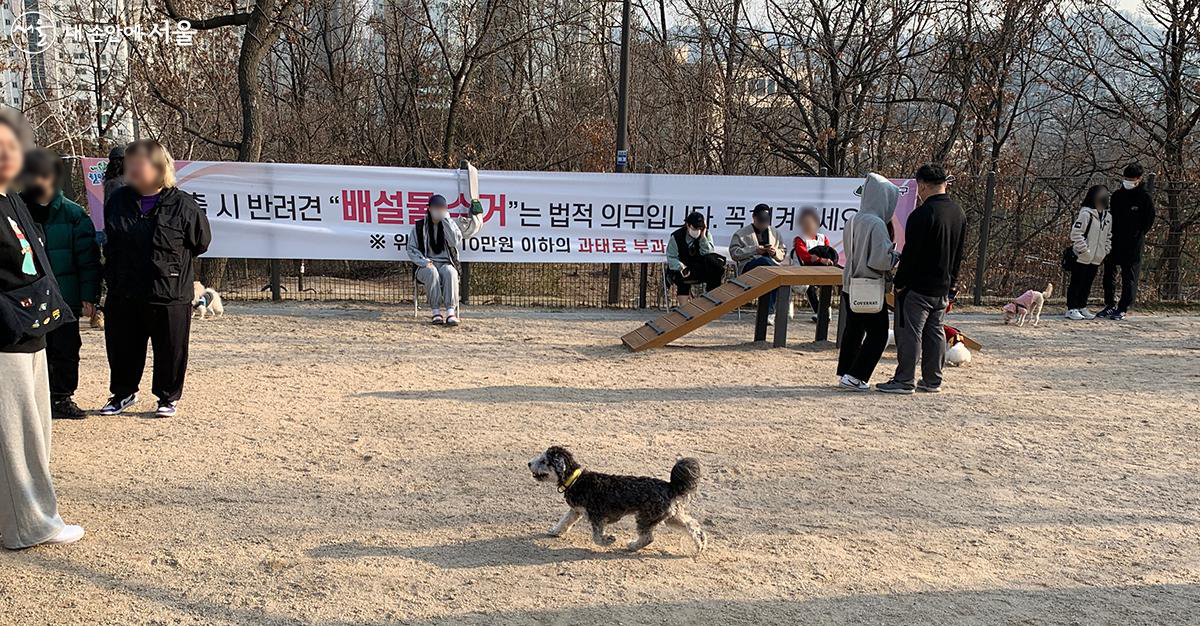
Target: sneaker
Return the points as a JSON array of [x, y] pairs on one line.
[[165, 409], [1087, 315], [814, 318], [771, 319], [69, 534], [853, 384], [892, 386], [117, 405], [1117, 316], [1074, 314], [66, 409], [925, 388], [1107, 312]]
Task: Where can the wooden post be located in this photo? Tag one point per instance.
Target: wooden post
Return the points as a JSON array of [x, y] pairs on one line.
[[643, 281], [464, 286], [782, 296], [276, 296]]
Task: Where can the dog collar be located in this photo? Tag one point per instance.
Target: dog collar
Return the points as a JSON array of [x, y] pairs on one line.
[[570, 480]]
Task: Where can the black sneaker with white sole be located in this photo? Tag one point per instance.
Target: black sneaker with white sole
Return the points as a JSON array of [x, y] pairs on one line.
[[165, 409], [923, 387], [892, 386], [117, 405]]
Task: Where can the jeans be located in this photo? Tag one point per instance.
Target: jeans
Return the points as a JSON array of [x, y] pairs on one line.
[[760, 261]]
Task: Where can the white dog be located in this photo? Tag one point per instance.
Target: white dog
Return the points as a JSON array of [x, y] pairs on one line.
[[206, 301], [1027, 306]]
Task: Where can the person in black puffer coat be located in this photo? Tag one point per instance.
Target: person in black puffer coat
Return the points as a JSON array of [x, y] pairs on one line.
[[154, 231], [1132, 211]]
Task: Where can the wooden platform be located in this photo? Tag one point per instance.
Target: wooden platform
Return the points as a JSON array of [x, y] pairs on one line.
[[758, 283]]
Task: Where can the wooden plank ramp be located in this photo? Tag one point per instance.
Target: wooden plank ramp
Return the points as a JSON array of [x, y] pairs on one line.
[[732, 294]]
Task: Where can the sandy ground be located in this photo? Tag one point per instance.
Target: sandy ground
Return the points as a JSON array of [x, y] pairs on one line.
[[351, 465]]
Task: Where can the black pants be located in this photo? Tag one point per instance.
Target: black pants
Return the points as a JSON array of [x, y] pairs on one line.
[[1082, 277], [710, 271], [62, 360], [864, 337], [127, 327], [822, 252], [1129, 283]]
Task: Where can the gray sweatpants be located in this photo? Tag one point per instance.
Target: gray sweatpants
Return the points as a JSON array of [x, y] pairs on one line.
[[28, 508], [441, 283], [920, 336]]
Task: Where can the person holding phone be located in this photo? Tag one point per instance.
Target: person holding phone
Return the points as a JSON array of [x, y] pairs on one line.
[[757, 244], [692, 258]]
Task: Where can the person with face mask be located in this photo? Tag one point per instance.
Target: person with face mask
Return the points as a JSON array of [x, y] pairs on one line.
[[757, 244], [155, 231], [692, 258], [434, 246], [1132, 211], [926, 282], [70, 240], [1091, 240], [28, 504]]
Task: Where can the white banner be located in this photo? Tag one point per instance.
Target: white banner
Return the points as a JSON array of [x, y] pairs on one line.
[[296, 211]]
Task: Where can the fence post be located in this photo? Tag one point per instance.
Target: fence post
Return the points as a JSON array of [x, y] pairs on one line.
[[275, 295], [465, 284], [642, 283], [985, 227], [614, 283]]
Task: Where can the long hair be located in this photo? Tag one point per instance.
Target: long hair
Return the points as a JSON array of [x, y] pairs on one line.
[[1093, 193], [435, 233], [158, 155]]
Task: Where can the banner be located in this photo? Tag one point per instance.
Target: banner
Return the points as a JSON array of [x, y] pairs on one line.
[[297, 211]]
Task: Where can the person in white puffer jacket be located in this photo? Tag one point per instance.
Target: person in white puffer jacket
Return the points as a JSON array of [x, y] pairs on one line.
[[1091, 240]]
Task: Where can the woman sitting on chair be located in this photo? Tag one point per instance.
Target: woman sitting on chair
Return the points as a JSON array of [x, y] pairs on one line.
[[434, 246], [812, 248], [692, 259]]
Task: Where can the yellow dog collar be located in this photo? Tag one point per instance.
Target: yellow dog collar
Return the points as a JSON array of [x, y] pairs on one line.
[[570, 480]]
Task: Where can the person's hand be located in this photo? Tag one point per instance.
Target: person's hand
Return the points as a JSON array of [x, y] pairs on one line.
[[429, 264], [760, 250], [89, 309], [826, 262]]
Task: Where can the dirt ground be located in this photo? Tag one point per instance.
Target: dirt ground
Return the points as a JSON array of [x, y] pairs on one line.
[[352, 465]]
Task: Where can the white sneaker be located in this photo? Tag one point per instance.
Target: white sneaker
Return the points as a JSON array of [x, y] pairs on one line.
[[1087, 315], [771, 320], [853, 384], [69, 534], [1074, 314]]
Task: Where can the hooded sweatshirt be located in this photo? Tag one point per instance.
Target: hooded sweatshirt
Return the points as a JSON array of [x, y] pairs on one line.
[[869, 251]]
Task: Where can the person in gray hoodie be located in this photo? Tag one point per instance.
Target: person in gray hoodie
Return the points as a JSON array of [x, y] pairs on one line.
[[870, 253]]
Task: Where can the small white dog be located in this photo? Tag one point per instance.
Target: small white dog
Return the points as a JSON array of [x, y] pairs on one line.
[[1027, 306], [206, 301], [958, 354]]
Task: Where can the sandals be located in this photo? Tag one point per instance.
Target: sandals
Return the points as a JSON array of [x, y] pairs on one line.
[[452, 320], [437, 319]]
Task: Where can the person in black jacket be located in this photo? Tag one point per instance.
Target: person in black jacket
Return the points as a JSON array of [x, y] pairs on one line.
[[1132, 210], [926, 281], [154, 230], [28, 504]]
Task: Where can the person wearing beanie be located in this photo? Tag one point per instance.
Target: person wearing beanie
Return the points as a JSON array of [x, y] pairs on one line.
[[70, 241], [434, 246], [114, 174], [757, 244], [1132, 211], [692, 258]]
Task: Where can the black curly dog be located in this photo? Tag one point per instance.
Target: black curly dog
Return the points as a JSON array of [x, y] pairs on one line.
[[606, 498]]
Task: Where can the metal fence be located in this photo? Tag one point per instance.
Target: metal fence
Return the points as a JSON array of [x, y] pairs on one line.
[[1029, 226]]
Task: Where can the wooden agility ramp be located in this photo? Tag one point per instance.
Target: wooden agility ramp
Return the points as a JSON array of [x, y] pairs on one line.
[[756, 284]]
